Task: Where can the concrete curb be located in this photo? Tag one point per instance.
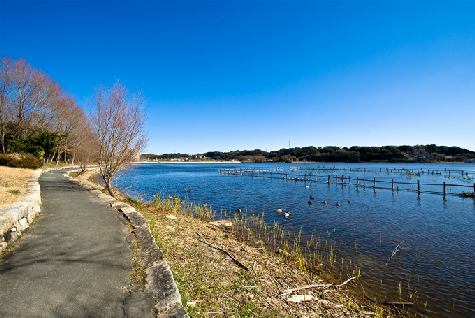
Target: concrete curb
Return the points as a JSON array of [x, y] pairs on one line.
[[161, 291], [16, 217]]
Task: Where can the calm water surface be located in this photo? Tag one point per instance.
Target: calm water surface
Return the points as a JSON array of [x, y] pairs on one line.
[[436, 239]]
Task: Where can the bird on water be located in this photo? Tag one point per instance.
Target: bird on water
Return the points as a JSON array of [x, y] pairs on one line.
[[239, 210]]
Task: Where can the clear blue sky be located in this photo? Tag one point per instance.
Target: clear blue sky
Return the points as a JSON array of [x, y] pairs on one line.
[[235, 75]]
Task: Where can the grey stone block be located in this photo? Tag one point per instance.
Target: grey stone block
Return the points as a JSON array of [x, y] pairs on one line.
[[126, 210], [118, 205], [136, 219], [17, 210], [162, 287], [6, 223], [33, 189], [97, 192], [31, 197], [22, 224], [149, 252], [139, 305]]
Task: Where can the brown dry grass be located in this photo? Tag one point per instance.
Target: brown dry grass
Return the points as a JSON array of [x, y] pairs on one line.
[[13, 183], [212, 284]]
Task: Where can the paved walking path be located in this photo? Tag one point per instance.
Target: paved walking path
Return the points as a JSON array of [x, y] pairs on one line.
[[74, 262]]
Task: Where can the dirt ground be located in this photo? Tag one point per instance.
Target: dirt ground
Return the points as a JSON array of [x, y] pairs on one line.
[[13, 184]]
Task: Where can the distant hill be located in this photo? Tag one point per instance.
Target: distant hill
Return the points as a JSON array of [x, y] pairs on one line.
[[417, 153]]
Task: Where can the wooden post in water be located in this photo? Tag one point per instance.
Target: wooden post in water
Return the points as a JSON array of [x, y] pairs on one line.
[[474, 188], [418, 188], [444, 190], [328, 180], [392, 185]]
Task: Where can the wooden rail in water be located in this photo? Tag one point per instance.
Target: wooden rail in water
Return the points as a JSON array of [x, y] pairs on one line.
[[273, 173]]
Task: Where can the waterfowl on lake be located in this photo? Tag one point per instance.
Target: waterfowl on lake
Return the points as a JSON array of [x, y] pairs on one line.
[[324, 202], [279, 210], [338, 204], [312, 198], [286, 215], [309, 202], [239, 210], [190, 191], [349, 201], [205, 205]]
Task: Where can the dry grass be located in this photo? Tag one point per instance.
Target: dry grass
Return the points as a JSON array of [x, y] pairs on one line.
[[13, 184], [212, 284], [88, 178]]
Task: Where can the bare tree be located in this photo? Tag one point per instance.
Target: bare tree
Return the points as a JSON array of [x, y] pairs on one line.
[[5, 98], [119, 120]]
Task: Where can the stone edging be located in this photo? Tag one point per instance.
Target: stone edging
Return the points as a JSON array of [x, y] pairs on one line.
[[159, 283], [17, 216]]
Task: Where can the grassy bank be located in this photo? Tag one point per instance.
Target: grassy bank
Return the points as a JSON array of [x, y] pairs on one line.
[[219, 273], [13, 184]]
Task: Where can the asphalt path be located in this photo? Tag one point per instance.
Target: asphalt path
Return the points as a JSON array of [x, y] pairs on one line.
[[75, 261]]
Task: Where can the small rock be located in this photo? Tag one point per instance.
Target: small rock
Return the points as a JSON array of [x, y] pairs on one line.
[[171, 217], [259, 243], [191, 303], [299, 298]]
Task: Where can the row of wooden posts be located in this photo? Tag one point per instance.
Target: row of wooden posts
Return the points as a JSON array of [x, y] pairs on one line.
[[395, 170], [309, 178]]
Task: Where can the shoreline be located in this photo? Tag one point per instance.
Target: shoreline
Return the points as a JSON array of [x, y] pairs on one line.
[[262, 288], [303, 162]]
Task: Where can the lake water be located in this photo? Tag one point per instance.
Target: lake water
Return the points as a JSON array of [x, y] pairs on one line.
[[435, 238]]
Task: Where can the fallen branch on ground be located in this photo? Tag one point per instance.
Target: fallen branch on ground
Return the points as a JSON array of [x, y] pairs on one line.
[[238, 263], [288, 291]]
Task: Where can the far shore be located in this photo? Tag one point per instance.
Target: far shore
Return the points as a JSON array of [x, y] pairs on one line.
[[188, 162], [306, 162]]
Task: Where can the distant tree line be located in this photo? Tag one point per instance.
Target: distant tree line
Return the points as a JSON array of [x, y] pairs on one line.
[[417, 153]]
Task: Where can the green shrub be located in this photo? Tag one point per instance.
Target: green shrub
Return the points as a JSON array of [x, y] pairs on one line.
[[27, 161]]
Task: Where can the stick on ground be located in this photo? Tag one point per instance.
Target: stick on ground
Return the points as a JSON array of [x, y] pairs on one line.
[[238, 263]]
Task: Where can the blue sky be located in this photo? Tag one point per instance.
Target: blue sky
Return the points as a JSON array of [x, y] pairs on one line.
[[235, 75]]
